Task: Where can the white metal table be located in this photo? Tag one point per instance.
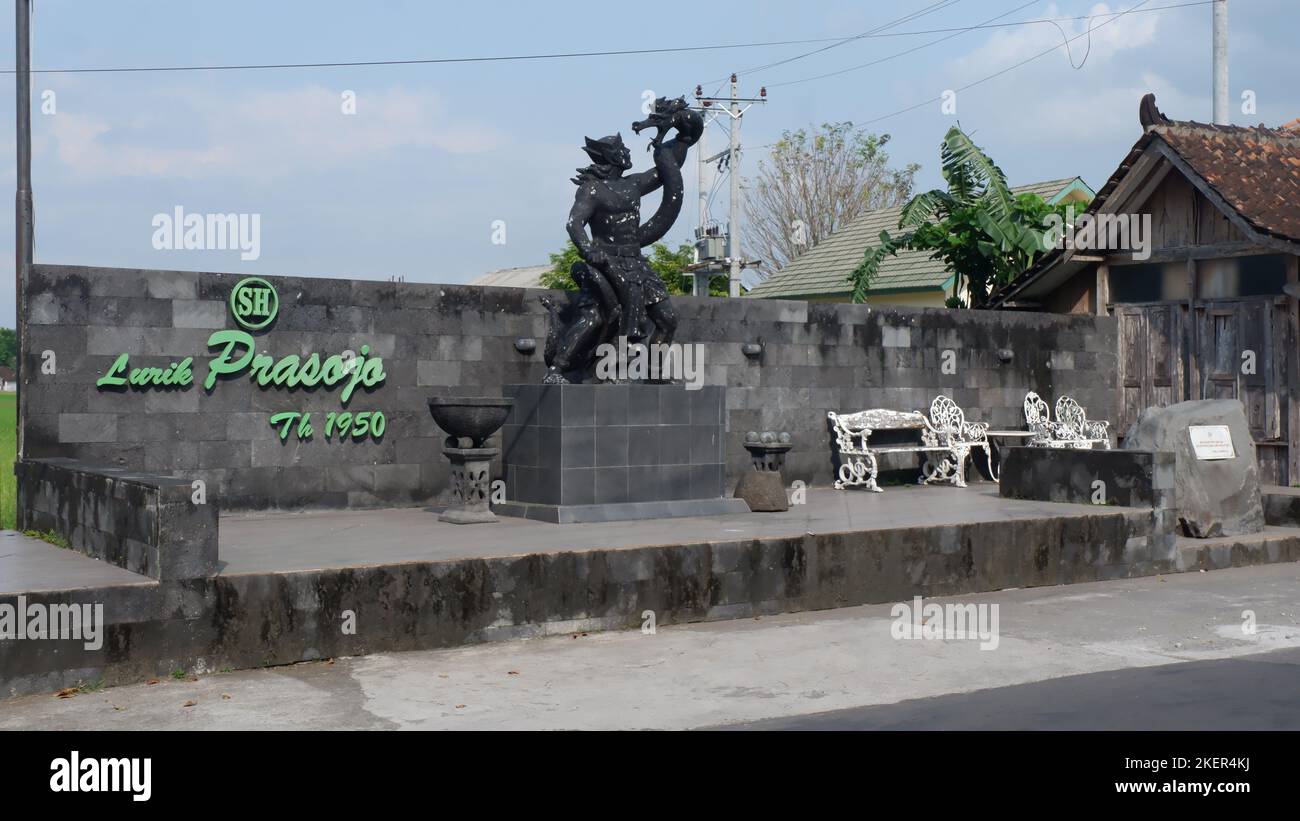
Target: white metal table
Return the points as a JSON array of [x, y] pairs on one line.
[[993, 435]]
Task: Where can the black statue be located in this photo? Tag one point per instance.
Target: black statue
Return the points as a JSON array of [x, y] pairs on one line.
[[620, 294]]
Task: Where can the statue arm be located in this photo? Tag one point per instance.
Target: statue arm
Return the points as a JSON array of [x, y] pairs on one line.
[[584, 205]]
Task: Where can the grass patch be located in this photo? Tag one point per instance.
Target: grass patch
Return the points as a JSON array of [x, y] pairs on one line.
[[8, 451], [48, 536]]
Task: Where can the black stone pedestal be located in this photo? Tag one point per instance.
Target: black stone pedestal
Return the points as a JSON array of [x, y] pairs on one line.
[[597, 453]]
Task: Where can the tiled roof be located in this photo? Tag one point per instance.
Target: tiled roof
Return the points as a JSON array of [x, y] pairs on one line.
[[1256, 170], [824, 270], [526, 277]]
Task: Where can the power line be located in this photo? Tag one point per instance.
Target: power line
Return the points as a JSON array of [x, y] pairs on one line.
[[996, 74], [989, 24], [1013, 23], [956, 33], [429, 61], [933, 7], [839, 41], [1113, 17], [584, 54]]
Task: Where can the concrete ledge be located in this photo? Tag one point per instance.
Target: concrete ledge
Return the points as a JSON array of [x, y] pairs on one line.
[[1275, 544], [253, 619], [144, 523], [1281, 505], [625, 511], [1130, 478]]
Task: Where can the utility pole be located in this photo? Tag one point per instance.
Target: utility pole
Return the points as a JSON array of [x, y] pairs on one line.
[[700, 280], [22, 195], [733, 218], [1220, 67], [735, 111]]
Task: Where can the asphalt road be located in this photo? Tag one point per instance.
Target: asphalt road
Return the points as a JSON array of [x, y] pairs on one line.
[[1218, 650], [1255, 692]]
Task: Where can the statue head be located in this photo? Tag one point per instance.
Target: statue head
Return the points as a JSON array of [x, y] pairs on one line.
[[609, 151]]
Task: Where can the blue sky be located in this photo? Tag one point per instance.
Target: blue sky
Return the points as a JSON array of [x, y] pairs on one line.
[[412, 184]]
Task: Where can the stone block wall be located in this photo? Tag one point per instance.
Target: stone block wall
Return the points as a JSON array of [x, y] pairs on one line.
[[459, 339], [147, 524]]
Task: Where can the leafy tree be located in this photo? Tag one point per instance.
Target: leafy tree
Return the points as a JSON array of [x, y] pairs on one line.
[[8, 347], [984, 233], [670, 265], [813, 183], [558, 277]]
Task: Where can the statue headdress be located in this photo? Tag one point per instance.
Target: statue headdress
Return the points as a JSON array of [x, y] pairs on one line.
[[604, 154]]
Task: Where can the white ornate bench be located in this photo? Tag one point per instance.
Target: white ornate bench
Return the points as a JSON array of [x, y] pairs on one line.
[[1072, 428], [946, 442]]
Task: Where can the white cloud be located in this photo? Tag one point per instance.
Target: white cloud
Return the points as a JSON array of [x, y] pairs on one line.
[[1008, 46], [262, 135], [1106, 114]]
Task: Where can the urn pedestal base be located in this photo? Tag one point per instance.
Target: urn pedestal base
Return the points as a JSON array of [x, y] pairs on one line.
[[471, 485]]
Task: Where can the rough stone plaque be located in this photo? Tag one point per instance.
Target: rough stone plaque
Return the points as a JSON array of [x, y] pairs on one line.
[[1216, 496]]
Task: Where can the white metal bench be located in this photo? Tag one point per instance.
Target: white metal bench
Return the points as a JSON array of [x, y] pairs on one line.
[[946, 442], [1072, 428]]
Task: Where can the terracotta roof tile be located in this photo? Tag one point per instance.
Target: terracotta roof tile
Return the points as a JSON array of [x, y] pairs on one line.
[[1256, 170]]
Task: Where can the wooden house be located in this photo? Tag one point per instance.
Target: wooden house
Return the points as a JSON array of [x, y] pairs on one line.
[[1208, 308]]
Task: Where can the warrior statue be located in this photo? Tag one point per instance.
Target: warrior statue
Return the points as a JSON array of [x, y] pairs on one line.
[[620, 294]]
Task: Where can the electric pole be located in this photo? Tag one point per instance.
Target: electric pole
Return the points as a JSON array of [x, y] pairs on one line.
[[734, 110], [733, 218], [22, 195], [700, 279], [1220, 67]]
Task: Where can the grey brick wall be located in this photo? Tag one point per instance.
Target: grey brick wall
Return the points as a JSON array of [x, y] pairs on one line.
[[144, 523], [443, 339]]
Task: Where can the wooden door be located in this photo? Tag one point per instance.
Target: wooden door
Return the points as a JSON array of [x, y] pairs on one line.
[[1151, 359], [1244, 350]]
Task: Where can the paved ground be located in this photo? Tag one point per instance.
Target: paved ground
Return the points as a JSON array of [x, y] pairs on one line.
[[1151, 652], [281, 541], [278, 541], [28, 565]]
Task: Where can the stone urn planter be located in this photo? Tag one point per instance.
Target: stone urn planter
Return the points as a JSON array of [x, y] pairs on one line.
[[468, 422], [763, 488]]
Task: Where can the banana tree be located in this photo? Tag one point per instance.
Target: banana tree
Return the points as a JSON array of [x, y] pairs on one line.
[[978, 226]]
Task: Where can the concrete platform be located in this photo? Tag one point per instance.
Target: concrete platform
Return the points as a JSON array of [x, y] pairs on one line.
[[29, 565], [296, 587], [280, 542]]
